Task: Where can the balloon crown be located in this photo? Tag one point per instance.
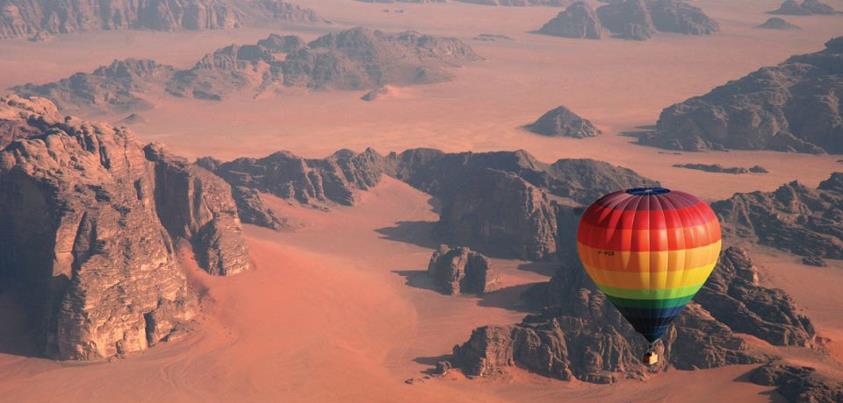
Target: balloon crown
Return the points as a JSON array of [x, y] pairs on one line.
[[647, 191]]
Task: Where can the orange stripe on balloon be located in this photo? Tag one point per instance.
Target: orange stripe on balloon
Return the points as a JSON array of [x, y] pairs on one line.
[[649, 240]]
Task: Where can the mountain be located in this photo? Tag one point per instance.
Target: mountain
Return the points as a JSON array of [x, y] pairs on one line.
[[790, 107], [115, 87], [627, 19], [26, 18], [579, 20], [348, 60], [778, 23], [806, 7], [792, 218], [561, 121], [640, 19], [89, 225], [363, 58], [680, 17]]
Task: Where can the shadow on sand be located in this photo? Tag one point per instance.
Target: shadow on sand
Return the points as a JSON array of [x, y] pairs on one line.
[[418, 233]]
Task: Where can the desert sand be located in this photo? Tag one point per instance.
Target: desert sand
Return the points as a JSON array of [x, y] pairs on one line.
[[336, 309]]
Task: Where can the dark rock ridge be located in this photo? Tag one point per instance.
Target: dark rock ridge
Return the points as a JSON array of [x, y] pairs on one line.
[[778, 23], [721, 169], [561, 121], [628, 19], [580, 335], [355, 59], [792, 218], [312, 182], [82, 243], [460, 270], [735, 297], [24, 18], [116, 87], [579, 20], [797, 383], [807, 7], [794, 106]]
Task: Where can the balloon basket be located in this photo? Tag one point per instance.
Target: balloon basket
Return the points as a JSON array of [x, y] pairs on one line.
[[650, 358]]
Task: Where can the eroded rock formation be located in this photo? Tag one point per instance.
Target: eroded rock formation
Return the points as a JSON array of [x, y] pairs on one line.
[[806, 7], [792, 218], [778, 23], [561, 121], [717, 168], [460, 270], [23, 18], [797, 383], [680, 17], [579, 20], [628, 19], [794, 106], [82, 244], [354, 59], [580, 335]]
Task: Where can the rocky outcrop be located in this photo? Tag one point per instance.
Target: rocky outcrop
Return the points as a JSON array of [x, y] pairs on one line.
[[351, 60], [561, 121], [23, 18], [735, 297], [797, 383], [793, 218], [790, 107], [517, 3], [364, 58], [806, 7], [627, 19], [81, 243], [680, 17], [195, 205], [23, 117], [88, 219], [232, 68], [579, 20], [381, 93], [580, 335], [499, 211], [312, 182], [717, 168], [117, 87], [778, 23], [460, 270]]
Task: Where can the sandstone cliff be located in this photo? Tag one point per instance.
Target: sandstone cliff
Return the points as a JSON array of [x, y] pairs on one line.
[[24, 18], [579, 20], [792, 218], [82, 244], [790, 107], [460, 270], [561, 121]]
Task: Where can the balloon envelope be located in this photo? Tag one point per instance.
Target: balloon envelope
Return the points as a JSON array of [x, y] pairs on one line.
[[649, 250]]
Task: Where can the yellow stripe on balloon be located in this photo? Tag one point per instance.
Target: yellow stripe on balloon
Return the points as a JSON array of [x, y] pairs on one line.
[[657, 280], [650, 261]]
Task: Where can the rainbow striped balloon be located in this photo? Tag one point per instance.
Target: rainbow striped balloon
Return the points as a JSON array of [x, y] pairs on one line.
[[649, 250]]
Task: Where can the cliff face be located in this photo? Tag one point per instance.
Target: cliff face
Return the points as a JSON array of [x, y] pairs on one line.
[[579, 20], [628, 19], [790, 107], [25, 18], [793, 218], [798, 384], [81, 243], [460, 270], [195, 205]]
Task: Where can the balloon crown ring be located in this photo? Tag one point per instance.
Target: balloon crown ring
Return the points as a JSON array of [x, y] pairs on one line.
[[647, 191]]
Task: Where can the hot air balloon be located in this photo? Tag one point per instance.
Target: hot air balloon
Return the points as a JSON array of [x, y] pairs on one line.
[[649, 250]]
